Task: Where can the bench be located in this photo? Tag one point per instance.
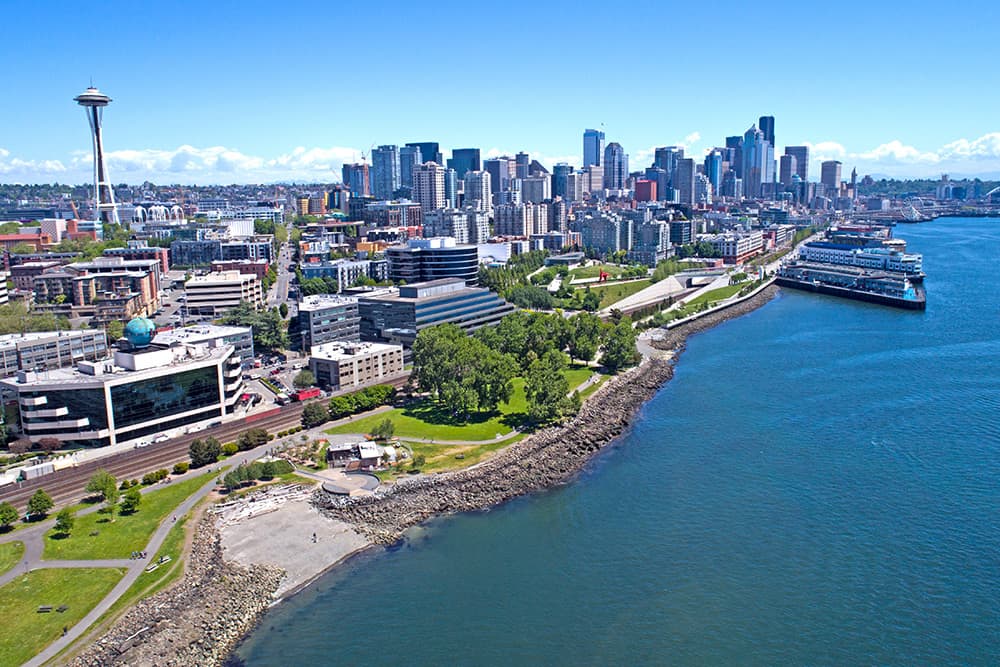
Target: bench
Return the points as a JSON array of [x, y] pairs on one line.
[[45, 609]]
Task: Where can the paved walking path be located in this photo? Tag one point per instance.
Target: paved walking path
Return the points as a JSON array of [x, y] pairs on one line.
[[33, 539]]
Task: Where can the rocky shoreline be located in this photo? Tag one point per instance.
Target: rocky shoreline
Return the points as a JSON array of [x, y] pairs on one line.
[[195, 622], [544, 459], [201, 619]]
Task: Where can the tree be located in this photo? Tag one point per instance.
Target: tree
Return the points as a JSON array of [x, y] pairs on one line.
[[251, 438], [269, 329], [384, 429], [64, 521], [418, 461], [8, 515], [40, 504], [591, 301], [204, 452], [100, 482], [314, 414], [283, 310], [619, 348], [111, 496], [303, 379], [115, 329], [545, 387], [131, 500], [586, 336]]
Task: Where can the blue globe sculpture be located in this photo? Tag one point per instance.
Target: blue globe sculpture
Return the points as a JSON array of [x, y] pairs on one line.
[[140, 331]]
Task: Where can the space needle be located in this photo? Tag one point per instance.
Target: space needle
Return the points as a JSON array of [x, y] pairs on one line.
[[93, 101]]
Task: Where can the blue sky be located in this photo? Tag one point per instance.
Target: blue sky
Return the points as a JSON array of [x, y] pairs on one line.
[[210, 92]]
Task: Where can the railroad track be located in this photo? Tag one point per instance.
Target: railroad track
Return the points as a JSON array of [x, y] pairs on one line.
[[67, 485]]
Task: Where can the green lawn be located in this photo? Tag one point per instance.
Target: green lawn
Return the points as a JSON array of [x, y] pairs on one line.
[[25, 632], [10, 555], [611, 294], [127, 533], [430, 420], [717, 294], [595, 271]]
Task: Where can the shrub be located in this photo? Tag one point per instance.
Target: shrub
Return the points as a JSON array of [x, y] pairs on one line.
[[181, 468], [230, 448]]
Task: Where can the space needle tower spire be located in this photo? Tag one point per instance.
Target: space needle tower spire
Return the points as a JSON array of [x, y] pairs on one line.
[[93, 102]]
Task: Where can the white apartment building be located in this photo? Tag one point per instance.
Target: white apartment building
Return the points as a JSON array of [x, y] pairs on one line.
[[214, 293]]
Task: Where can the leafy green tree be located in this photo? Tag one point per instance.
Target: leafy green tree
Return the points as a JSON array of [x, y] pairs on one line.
[[100, 483], [111, 496], [131, 500], [64, 521], [8, 515], [545, 387], [591, 301], [619, 347], [384, 429], [251, 438], [303, 379], [39, 504], [114, 329], [270, 331], [585, 340], [530, 296], [314, 414], [283, 310], [204, 452]]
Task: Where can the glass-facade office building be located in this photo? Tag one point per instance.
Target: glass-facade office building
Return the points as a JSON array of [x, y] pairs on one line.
[[103, 403]]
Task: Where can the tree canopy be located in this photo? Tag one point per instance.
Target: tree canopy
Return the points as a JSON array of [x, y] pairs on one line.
[[270, 332]]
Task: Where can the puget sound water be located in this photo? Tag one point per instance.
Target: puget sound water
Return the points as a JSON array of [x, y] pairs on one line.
[[818, 485]]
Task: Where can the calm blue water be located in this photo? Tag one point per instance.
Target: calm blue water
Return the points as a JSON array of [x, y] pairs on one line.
[[819, 484]]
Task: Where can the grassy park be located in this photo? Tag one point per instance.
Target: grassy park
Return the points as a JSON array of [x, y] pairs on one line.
[[128, 533], [10, 555], [612, 294], [26, 631], [429, 419], [595, 271]]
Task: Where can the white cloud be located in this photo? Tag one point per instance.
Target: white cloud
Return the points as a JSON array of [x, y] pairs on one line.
[[21, 170], [897, 151]]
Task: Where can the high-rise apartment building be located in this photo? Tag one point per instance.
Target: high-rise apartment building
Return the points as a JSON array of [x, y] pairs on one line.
[[464, 160], [450, 188], [615, 167], [428, 186], [385, 165], [536, 188], [478, 190], [593, 147]]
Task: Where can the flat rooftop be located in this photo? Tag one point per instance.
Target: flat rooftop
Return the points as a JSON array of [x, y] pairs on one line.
[[198, 334]]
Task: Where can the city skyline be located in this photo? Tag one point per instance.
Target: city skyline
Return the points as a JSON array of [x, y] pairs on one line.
[[249, 117]]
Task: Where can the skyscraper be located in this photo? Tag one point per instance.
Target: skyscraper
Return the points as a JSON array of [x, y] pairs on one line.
[[430, 151], [713, 169], [357, 179], [478, 191], [559, 173], [502, 170], [758, 162], [665, 158], [464, 160], [385, 168], [767, 127], [409, 160], [94, 102], [615, 167], [801, 155], [593, 147], [522, 160], [830, 175], [428, 186], [788, 169], [735, 144], [684, 180], [450, 188]]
